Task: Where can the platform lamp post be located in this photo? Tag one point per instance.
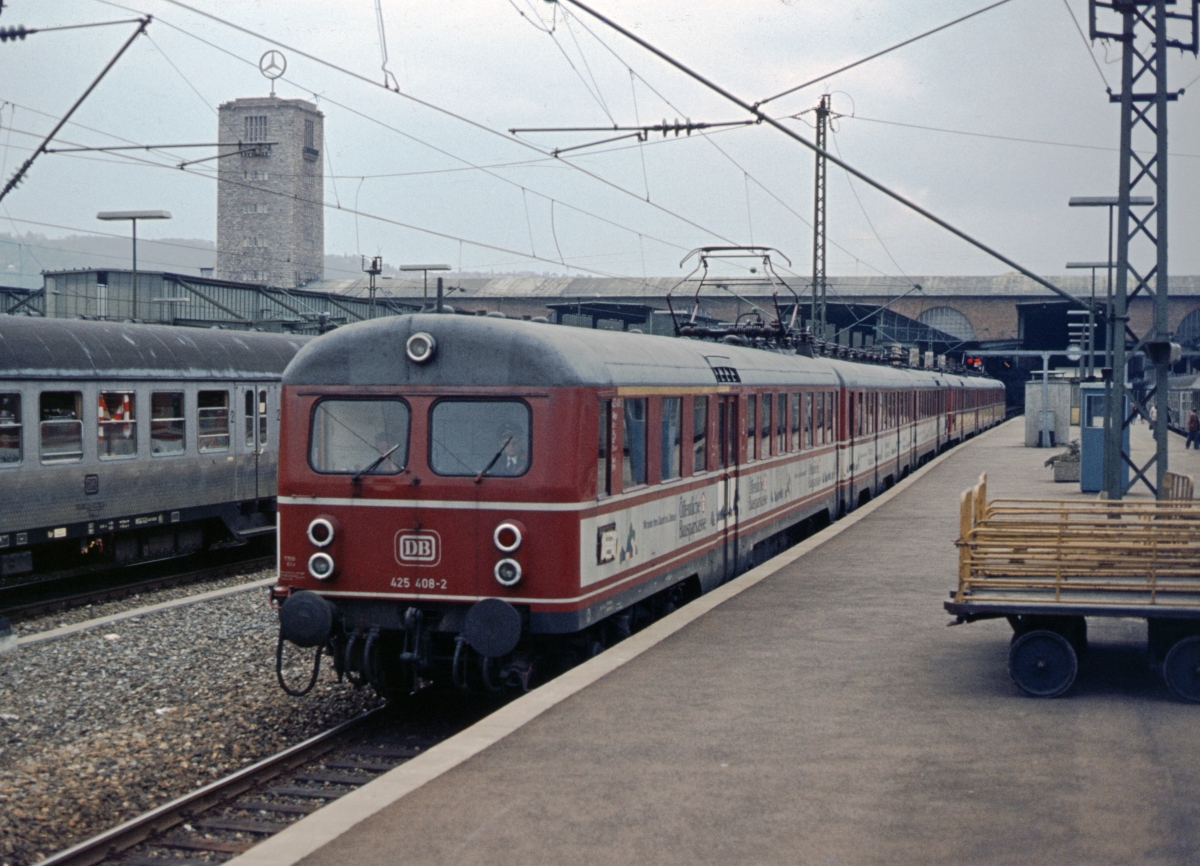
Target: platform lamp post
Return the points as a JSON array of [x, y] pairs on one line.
[[1115, 318], [425, 269], [1089, 346], [133, 216]]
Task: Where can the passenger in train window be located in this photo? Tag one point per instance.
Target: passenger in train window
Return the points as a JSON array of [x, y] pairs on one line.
[[10, 428], [117, 431], [61, 426], [699, 434]]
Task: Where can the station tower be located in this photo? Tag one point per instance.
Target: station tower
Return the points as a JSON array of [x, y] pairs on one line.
[[270, 192]]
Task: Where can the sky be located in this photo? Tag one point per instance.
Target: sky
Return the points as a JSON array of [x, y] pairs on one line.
[[435, 175]]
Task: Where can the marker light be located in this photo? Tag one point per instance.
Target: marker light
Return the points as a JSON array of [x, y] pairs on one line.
[[420, 347], [507, 537], [507, 572], [320, 532], [320, 566]]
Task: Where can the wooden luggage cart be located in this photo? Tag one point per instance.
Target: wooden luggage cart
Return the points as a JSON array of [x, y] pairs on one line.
[[1047, 565]]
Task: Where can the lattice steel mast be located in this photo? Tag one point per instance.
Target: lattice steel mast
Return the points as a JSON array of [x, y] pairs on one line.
[[1141, 248], [818, 275]]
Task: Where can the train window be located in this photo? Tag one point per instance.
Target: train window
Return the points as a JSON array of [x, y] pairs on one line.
[[672, 439], [262, 416], [830, 409], [781, 417], [10, 428], [604, 460], [61, 426], [751, 426], [764, 439], [212, 432], [797, 415], [807, 442], [633, 448], [820, 399], [699, 434], [248, 418], [116, 431], [479, 437], [166, 423], [722, 434], [352, 436]]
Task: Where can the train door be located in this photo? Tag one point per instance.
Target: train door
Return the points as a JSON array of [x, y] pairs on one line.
[[728, 454], [255, 481]]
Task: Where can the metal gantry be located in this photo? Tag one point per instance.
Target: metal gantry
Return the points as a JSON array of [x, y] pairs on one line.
[[1147, 31]]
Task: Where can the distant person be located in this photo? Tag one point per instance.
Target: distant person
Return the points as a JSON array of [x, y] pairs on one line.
[[1153, 414], [1193, 431]]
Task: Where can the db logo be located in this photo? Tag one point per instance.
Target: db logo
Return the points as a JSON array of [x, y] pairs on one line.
[[418, 548]]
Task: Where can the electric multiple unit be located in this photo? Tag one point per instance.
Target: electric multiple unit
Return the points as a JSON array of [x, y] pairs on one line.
[[463, 497]]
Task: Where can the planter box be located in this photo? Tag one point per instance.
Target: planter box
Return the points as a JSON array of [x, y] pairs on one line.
[[1066, 470]]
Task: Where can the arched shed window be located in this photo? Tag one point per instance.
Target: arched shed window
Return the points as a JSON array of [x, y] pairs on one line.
[[1188, 332], [949, 321]]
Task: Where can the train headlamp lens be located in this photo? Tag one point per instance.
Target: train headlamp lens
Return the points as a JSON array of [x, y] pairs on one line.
[[320, 566], [320, 532], [507, 537], [420, 347], [507, 572]]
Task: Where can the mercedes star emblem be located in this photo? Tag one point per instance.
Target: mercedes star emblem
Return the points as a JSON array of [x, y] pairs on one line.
[[272, 64]]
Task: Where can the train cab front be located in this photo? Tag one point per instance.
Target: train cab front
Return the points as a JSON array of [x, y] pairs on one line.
[[413, 541]]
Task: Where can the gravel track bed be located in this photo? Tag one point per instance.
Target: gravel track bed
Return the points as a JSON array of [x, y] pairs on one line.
[[93, 611], [98, 727]]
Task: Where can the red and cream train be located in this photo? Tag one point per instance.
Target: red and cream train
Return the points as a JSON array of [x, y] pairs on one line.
[[459, 496]]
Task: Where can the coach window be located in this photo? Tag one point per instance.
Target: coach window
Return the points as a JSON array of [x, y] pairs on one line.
[[166, 423], [479, 437], [353, 436], [699, 434], [604, 458], [672, 439], [10, 428], [797, 416], [117, 429], [633, 448], [212, 409], [807, 441], [751, 427], [248, 418], [61, 426], [830, 410], [262, 416], [764, 439], [781, 419]]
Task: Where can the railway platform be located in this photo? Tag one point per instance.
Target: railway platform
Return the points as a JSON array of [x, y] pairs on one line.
[[817, 710]]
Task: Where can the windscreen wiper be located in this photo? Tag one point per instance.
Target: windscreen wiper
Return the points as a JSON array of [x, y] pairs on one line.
[[492, 462], [374, 464]]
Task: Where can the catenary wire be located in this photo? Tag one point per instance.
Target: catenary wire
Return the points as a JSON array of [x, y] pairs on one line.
[[1086, 45]]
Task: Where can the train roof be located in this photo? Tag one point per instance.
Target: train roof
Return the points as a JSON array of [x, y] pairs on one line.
[[34, 348], [493, 352]]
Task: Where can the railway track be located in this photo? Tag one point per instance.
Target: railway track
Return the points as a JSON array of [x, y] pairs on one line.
[[55, 593], [229, 816]]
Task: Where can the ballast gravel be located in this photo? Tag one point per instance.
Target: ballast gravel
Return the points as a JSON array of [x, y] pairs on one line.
[[98, 727]]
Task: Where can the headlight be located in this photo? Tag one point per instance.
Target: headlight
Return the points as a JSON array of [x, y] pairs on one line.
[[507, 536], [320, 532], [320, 566], [507, 572], [420, 347]]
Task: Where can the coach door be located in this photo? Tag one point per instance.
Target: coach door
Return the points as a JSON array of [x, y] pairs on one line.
[[256, 476], [728, 448]]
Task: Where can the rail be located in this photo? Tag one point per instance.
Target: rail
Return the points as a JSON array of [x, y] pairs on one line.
[[1082, 552]]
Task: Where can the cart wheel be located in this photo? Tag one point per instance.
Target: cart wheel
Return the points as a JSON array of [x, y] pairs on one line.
[[1181, 669], [1042, 663]]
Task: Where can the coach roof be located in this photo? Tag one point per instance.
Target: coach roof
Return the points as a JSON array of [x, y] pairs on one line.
[[32, 348], [492, 352]]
